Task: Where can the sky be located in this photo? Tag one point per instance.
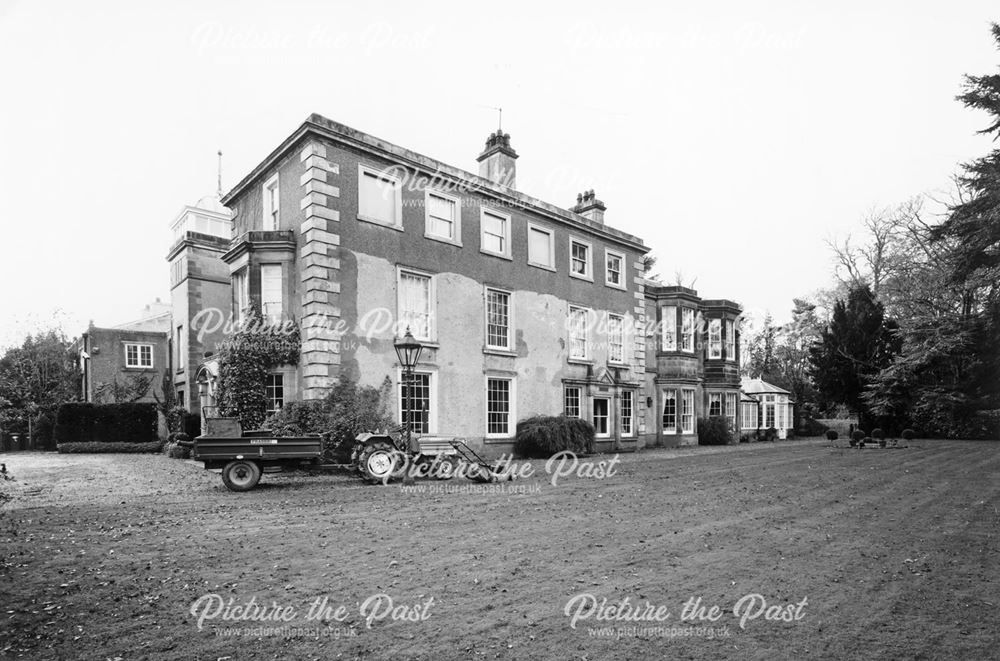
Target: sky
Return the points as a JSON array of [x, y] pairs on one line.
[[734, 139]]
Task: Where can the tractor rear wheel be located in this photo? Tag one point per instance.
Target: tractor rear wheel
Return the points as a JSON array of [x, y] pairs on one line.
[[380, 462]]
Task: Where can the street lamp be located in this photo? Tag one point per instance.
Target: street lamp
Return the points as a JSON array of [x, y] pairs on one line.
[[408, 351]]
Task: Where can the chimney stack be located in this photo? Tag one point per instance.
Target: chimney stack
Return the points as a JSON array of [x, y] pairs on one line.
[[588, 206], [496, 163]]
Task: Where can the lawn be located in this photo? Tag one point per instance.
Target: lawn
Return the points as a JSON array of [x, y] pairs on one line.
[[870, 553]]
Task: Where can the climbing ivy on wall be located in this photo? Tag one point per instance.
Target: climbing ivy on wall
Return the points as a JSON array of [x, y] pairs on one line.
[[255, 348]]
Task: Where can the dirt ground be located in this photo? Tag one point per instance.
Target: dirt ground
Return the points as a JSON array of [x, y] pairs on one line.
[[890, 554]]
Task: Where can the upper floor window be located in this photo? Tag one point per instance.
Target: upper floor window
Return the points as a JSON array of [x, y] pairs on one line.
[[180, 348], [613, 263], [270, 291], [578, 344], [687, 330], [541, 247], [616, 338], [730, 340], [416, 310], [444, 217], [668, 322], [715, 338], [139, 355], [498, 319], [496, 232], [272, 204], [580, 260], [241, 294], [380, 197]]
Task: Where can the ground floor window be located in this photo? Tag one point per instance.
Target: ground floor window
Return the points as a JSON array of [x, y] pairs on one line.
[[275, 387], [498, 406], [768, 411], [732, 404], [687, 411], [669, 411], [417, 411], [571, 402], [714, 404], [601, 417], [627, 412]]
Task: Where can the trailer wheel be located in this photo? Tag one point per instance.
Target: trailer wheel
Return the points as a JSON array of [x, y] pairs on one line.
[[241, 475], [380, 462]]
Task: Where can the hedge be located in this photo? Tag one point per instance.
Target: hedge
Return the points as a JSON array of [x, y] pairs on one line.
[[94, 446], [80, 422], [544, 436]]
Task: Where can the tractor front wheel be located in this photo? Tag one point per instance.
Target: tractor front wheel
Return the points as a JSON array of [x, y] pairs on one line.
[[380, 462]]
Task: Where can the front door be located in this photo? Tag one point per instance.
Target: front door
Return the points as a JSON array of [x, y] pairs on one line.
[[602, 422]]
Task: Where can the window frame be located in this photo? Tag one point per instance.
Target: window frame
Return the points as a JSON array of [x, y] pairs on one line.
[[268, 388], [456, 240], [367, 170], [432, 396], [510, 318], [687, 395], [271, 267], [621, 338], [621, 269], [551, 266], [687, 342], [719, 398], [579, 401], [671, 325], [431, 304], [715, 344], [138, 354], [484, 211], [608, 416], [511, 405], [630, 396], [271, 217], [241, 292], [731, 409], [589, 264], [586, 333], [730, 341], [669, 394]]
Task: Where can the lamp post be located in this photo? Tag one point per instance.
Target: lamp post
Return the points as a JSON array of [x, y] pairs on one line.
[[408, 351]]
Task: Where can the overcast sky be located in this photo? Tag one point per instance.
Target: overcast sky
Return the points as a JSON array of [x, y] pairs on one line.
[[732, 138]]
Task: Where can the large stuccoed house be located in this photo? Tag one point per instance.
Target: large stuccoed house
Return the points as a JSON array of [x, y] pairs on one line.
[[524, 307]]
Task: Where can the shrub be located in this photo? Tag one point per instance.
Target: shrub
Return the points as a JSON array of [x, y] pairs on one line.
[[714, 431], [41, 432], [175, 451], [175, 419], [878, 434], [771, 434], [80, 422], [543, 436], [96, 446], [192, 425], [831, 434], [858, 436], [345, 412], [854, 442], [908, 434]]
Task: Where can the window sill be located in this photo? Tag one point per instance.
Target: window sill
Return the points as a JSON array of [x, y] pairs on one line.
[[614, 286], [491, 440], [544, 267], [443, 239], [496, 254], [578, 276], [380, 223], [139, 369], [580, 361], [499, 352]]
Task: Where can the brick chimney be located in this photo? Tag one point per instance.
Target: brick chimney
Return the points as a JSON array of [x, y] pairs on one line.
[[588, 206], [496, 163]]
